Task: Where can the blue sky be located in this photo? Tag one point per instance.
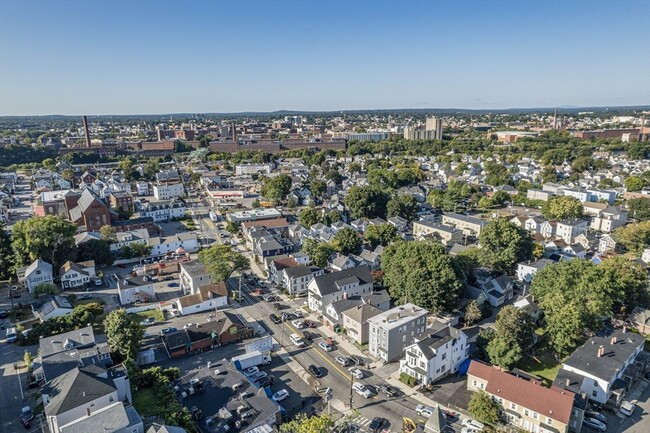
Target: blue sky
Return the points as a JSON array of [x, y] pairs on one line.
[[157, 56]]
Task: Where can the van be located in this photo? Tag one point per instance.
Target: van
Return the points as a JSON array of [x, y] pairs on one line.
[[11, 335]]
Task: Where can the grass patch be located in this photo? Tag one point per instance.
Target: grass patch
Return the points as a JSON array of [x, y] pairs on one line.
[[156, 313], [146, 402], [543, 365], [89, 301]]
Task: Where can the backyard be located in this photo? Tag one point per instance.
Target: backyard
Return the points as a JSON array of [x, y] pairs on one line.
[[146, 402], [141, 316], [542, 364]]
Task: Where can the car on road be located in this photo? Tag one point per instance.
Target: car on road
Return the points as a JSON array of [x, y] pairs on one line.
[[190, 325], [298, 324], [354, 371], [307, 335], [377, 424], [121, 265], [278, 306], [596, 415], [627, 408], [356, 360], [86, 296], [295, 339], [98, 282], [259, 376], [269, 298], [148, 321], [472, 424], [259, 292], [250, 371], [424, 410], [166, 331], [326, 347], [315, 371], [26, 416], [275, 319], [342, 360], [361, 389], [280, 395], [3, 314], [298, 314], [310, 324], [265, 381], [388, 390], [595, 424]]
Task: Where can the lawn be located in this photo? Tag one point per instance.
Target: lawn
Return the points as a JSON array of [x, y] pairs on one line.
[[543, 364], [146, 402], [156, 313]]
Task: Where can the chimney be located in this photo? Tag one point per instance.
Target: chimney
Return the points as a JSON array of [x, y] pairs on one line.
[[86, 131], [601, 350], [613, 340], [624, 329], [568, 382]]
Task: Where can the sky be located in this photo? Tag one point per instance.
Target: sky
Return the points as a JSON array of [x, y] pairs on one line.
[[200, 56]]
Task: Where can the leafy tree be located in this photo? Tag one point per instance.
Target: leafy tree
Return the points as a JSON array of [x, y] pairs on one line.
[[49, 163], [291, 202], [366, 201], [308, 217], [317, 188], [582, 163], [135, 250], [45, 289], [123, 333], [6, 253], [127, 165], [332, 217], [347, 241], [108, 233], [405, 206], [549, 174], [97, 250], [497, 174], [276, 188], [485, 202], [483, 408], [318, 252], [422, 273], [628, 281], [68, 175], [639, 208], [562, 207], [634, 237], [472, 313], [255, 204], [467, 261], [308, 424], [221, 261], [383, 234], [505, 244], [513, 334], [151, 168], [634, 183], [501, 198], [50, 238], [232, 228]]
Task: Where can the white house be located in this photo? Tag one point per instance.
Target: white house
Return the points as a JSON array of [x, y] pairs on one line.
[[38, 272], [392, 331], [188, 242], [76, 274], [193, 275], [164, 210], [135, 289], [168, 191], [142, 188], [527, 270], [327, 288], [49, 307], [122, 239], [570, 228], [208, 297], [435, 356], [296, 278]]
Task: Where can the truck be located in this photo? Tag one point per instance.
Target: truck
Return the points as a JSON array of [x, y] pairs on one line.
[[252, 359]]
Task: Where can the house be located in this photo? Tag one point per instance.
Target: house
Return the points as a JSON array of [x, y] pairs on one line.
[[76, 274], [266, 245], [526, 404], [400, 224], [534, 224], [135, 289], [193, 274], [121, 200], [296, 278], [498, 290], [142, 188], [548, 228], [127, 238], [340, 262], [50, 306], [39, 272], [354, 321], [527, 270], [570, 228], [605, 367], [609, 219], [608, 242], [178, 243], [442, 233], [528, 305], [470, 226], [161, 428], [91, 212], [168, 191], [436, 355], [392, 331], [208, 297], [536, 194], [334, 286], [640, 319], [582, 196], [163, 211]]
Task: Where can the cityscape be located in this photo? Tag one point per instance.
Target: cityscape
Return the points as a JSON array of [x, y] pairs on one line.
[[324, 217]]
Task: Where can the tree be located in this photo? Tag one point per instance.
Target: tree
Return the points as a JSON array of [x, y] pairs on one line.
[[639, 208], [628, 281], [68, 175], [232, 228], [95, 249], [382, 234], [513, 334], [127, 165], [221, 261], [582, 163], [421, 273], [549, 175], [255, 204], [124, 334], [346, 241], [472, 313], [135, 250], [45, 289], [50, 238], [49, 163], [308, 424], [151, 168], [483, 408], [633, 237], [562, 207], [505, 244], [276, 188], [6, 253], [497, 174], [317, 188], [308, 217], [501, 198], [405, 206], [634, 183], [367, 202], [332, 217], [108, 233], [318, 252], [485, 202]]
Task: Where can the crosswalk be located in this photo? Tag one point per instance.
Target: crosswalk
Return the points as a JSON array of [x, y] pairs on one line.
[[364, 424]]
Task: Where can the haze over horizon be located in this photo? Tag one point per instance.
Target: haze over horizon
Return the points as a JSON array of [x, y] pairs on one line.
[[145, 57]]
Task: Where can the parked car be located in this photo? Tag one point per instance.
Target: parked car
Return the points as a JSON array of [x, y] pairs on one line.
[[596, 415], [148, 321], [310, 324], [298, 324], [326, 347], [377, 424], [250, 371], [356, 360], [473, 424], [424, 410], [342, 360], [278, 306], [595, 424], [3, 314], [306, 335], [269, 298], [298, 314], [280, 395], [627, 408], [388, 390], [266, 381], [259, 376], [275, 319], [98, 282], [86, 296], [197, 413], [295, 339], [358, 374], [361, 389], [166, 331], [314, 371], [189, 325]]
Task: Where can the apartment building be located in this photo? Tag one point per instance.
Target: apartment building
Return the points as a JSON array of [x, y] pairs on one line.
[[470, 226], [536, 194], [443, 234], [392, 331], [335, 286], [168, 191], [568, 229], [193, 275], [243, 169]]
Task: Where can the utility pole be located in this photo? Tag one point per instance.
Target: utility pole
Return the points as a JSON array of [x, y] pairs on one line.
[[282, 332], [351, 390]]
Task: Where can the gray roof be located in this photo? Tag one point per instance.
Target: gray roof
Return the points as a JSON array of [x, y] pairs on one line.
[[50, 303], [38, 263], [431, 343], [361, 313], [73, 389], [398, 316], [585, 358], [327, 283], [466, 218], [194, 267], [83, 337], [300, 271], [376, 298], [108, 419], [157, 428]]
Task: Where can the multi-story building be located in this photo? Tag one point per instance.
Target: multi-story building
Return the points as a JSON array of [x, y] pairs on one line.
[[568, 229], [168, 191], [193, 275], [164, 210], [327, 288], [436, 355], [296, 278], [527, 270], [253, 169], [609, 219], [470, 226], [392, 331], [442, 233], [604, 195], [581, 195], [121, 200], [91, 212], [526, 404], [434, 124], [536, 194], [136, 289], [76, 274], [39, 272]]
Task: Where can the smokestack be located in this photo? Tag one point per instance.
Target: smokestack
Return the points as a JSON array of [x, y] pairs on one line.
[[555, 119], [86, 131], [234, 132]]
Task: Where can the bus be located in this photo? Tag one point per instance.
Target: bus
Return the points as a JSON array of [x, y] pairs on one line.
[[11, 335], [214, 217]]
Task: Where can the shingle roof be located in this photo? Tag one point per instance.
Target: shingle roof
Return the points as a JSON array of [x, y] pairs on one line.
[[435, 340], [326, 283], [82, 337], [73, 389], [361, 313], [107, 419]]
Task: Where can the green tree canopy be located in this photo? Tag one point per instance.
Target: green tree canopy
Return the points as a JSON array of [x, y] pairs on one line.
[[108, 233], [308, 217], [45, 289], [421, 273], [513, 334], [367, 202], [308, 424], [50, 238], [405, 206], [135, 250], [638, 208], [383, 234], [318, 252], [97, 250], [276, 188], [347, 241], [634, 237], [628, 281], [562, 207], [123, 333], [221, 261], [472, 313], [6, 253], [483, 408], [504, 244], [634, 183]]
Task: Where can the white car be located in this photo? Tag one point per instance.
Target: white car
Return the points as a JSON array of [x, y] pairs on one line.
[[250, 371], [358, 374], [361, 389], [190, 325], [295, 339], [472, 424], [98, 282], [259, 376], [297, 313], [424, 410], [280, 395], [298, 324], [326, 347], [468, 430], [595, 424], [627, 408]]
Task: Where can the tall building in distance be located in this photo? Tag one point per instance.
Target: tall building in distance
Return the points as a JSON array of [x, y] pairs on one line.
[[432, 130], [434, 124]]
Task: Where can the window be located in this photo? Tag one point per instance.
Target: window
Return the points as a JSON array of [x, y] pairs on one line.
[[444, 356], [594, 393], [513, 406], [535, 415], [595, 383], [526, 412], [549, 421]]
